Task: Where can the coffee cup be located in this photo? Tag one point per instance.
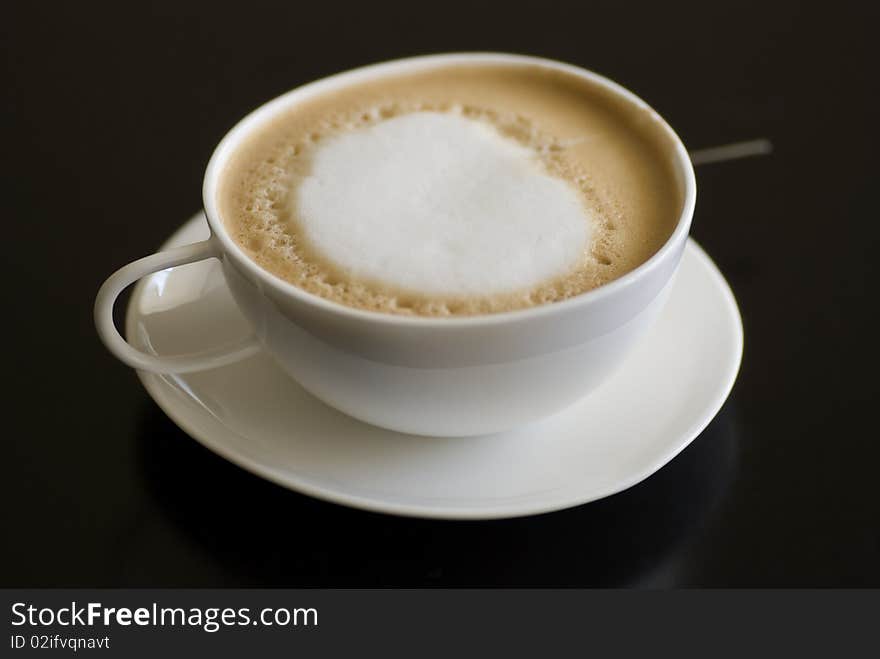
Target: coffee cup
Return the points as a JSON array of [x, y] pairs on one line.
[[438, 376]]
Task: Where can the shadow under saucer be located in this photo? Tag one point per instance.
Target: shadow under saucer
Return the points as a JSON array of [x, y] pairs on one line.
[[220, 525]]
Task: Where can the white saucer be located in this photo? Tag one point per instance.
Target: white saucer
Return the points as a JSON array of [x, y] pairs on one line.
[[252, 414]]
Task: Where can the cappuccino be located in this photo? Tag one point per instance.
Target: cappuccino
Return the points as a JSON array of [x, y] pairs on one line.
[[456, 190]]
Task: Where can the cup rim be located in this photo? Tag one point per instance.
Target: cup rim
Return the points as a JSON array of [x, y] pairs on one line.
[[268, 110]]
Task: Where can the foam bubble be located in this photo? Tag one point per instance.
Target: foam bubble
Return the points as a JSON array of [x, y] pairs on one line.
[[440, 204]]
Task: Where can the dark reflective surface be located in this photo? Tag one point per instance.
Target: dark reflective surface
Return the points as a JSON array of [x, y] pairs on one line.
[[109, 116]]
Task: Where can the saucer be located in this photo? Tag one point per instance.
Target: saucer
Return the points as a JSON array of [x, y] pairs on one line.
[[254, 415]]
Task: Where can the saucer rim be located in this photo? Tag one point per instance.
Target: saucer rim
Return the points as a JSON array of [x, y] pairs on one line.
[[158, 390]]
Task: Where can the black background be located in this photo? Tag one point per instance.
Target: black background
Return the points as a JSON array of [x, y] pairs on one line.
[[109, 115]]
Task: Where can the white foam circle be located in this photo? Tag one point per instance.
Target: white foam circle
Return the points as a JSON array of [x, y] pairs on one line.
[[441, 204]]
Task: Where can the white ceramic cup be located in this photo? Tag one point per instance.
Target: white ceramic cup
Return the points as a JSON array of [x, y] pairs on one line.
[[428, 376]]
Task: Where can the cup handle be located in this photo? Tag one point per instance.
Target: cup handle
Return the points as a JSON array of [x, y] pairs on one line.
[[129, 274]]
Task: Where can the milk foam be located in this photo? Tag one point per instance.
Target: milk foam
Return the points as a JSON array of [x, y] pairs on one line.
[[440, 204], [452, 191]]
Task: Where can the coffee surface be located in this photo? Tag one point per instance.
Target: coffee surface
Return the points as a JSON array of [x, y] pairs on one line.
[[454, 190]]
